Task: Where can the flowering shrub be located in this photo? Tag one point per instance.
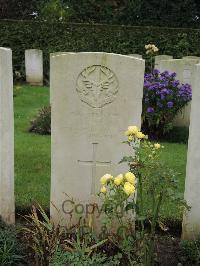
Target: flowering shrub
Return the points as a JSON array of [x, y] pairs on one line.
[[142, 190], [164, 97], [151, 49], [41, 124]]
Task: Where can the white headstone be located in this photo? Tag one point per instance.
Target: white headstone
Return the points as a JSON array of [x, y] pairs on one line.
[[191, 220], [136, 55], [95, 96], [159, 58], [7, 209], [34, 67], [191, 57], [51, 56], [184, 69]]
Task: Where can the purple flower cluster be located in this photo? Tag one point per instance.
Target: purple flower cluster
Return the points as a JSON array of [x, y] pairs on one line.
[[185, 92], [163, 92]]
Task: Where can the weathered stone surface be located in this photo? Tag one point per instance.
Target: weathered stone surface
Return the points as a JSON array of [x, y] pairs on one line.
[[136, 55], [191, 220], [95, 96], [34, 66], [191, 57], [7, 209], [184, 69]]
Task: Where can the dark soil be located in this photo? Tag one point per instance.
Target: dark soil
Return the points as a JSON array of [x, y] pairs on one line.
[[168, 251]]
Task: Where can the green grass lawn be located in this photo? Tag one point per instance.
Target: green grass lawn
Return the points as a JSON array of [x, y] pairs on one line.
[[32, 154]]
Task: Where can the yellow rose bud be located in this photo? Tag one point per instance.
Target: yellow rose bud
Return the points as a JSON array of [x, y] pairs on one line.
[[140, 135], [130, 138], [103, 190], [130, 177], [104, 179], [129, 188], [118, 180], [157, 146]]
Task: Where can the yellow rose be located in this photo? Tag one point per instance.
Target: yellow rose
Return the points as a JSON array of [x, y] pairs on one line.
[[104, 179], [132, 130], [130, 177], [157, 146], [103, 190], [129, 188], [140, 135], [118, 180]]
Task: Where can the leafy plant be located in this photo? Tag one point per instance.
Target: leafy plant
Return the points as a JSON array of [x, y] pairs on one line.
[[54, 10], [11, 250], [81, 246], [42, 123], [164, 97], [191, 251], [42, 235], [78, 259], [148, 179]]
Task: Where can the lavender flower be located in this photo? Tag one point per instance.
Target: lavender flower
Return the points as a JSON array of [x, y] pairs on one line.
[[170, 104]]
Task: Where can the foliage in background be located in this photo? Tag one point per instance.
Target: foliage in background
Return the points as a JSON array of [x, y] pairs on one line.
[[56, 36], [124, 12], [18, 9], [53, 10], [42, 122], [191, 251], [164, 97], [11, 248], [177, 135]]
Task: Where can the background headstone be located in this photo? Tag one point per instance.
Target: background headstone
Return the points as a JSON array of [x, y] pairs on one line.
[[34, 67], [95, 96], [136, 55], [191, 57], [7, 209], [159, 58], [191, 220], [184, 69]]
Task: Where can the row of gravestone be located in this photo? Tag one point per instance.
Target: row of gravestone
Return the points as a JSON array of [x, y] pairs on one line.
[[183, 67], [95, 96]]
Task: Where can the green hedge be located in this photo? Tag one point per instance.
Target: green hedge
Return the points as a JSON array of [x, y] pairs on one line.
[[54, 37]]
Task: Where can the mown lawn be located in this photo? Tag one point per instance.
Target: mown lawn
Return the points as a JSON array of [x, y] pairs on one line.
[[32, 154]]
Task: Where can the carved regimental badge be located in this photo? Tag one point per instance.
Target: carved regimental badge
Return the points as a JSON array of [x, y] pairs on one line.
[[97, 86]]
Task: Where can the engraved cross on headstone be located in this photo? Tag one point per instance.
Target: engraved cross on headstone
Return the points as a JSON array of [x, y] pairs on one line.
[[94, 163]]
